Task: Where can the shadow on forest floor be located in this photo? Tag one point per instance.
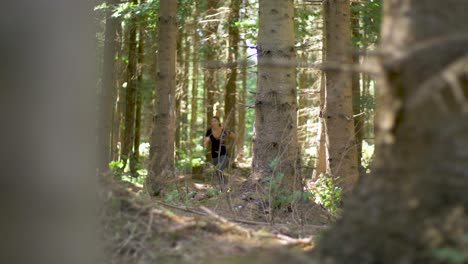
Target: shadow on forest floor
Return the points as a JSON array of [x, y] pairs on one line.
[[194, 222]]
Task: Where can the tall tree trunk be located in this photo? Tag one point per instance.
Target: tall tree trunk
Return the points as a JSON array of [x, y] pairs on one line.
[[320, 166], [161, 166], [422, 144], [119, 106], [231, 87], [181, 91], [275, 140], [185, 93], [130, 98], [135, 160], [107, 93], [356, 87], [321, 158], [303, 101], [210, 55], [194, 99], [241, 110], [179, 83], [209, 76], [338, 109]]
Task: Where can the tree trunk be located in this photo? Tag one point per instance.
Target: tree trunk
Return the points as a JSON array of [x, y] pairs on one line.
[[135, 160], [163, 131], [119, 106], [49, 195], [241, 110], [107, 93], [194, 99], [275, 139], [185, 94], [321, 158], [130, 98], [303, 105], [356, 87], [338, 109], [181, 93], [179, 83], [231, 87], [415, 205], [210, 65]]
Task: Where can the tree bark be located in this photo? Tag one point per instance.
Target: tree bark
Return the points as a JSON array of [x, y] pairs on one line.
[[356, 87], [163, 130], [230, 95], [48, 102], [130, 98], [135, 160], [210, 64], [275, 140], [416, 202], [107, 93], [303, 102], [241, 109], [119, 106], [194, 99], [338, 109], [321, 159], [209, 73]]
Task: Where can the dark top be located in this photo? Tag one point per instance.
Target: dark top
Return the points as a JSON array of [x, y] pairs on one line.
[[215, 142]]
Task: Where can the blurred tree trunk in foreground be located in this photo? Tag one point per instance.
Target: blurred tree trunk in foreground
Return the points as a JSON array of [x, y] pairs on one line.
[[415, 205]]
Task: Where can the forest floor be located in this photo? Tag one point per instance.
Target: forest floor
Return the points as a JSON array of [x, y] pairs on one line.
[[195, 222]]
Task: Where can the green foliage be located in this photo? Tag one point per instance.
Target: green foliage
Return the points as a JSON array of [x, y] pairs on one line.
[[138, 180], [451, 255], [327, 193], [249, 27], [304, 22], [184, 10], [116, 166], [147, 11], [370, 13], [212, 191], [184, 162], [173, 196], [276, 194]]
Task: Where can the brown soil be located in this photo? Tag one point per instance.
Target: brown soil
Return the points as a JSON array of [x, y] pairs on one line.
[[196, 225]]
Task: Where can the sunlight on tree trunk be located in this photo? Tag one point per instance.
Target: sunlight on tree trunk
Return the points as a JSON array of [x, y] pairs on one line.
[[338, 110], [275, 140], [161, 166]]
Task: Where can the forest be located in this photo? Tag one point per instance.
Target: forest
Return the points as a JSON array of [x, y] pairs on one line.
[[239, 131]]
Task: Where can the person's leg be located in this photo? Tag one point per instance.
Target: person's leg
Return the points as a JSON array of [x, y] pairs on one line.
[[215, 163], [219, 172], [223, 162]]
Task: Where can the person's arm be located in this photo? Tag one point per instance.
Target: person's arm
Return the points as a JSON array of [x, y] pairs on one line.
[[205, 141]]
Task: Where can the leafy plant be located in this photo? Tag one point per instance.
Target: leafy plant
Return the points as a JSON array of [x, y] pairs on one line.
[[327, 193], [173, 196], [212, 192], [116, 166], [138, 180], [451, 255]]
